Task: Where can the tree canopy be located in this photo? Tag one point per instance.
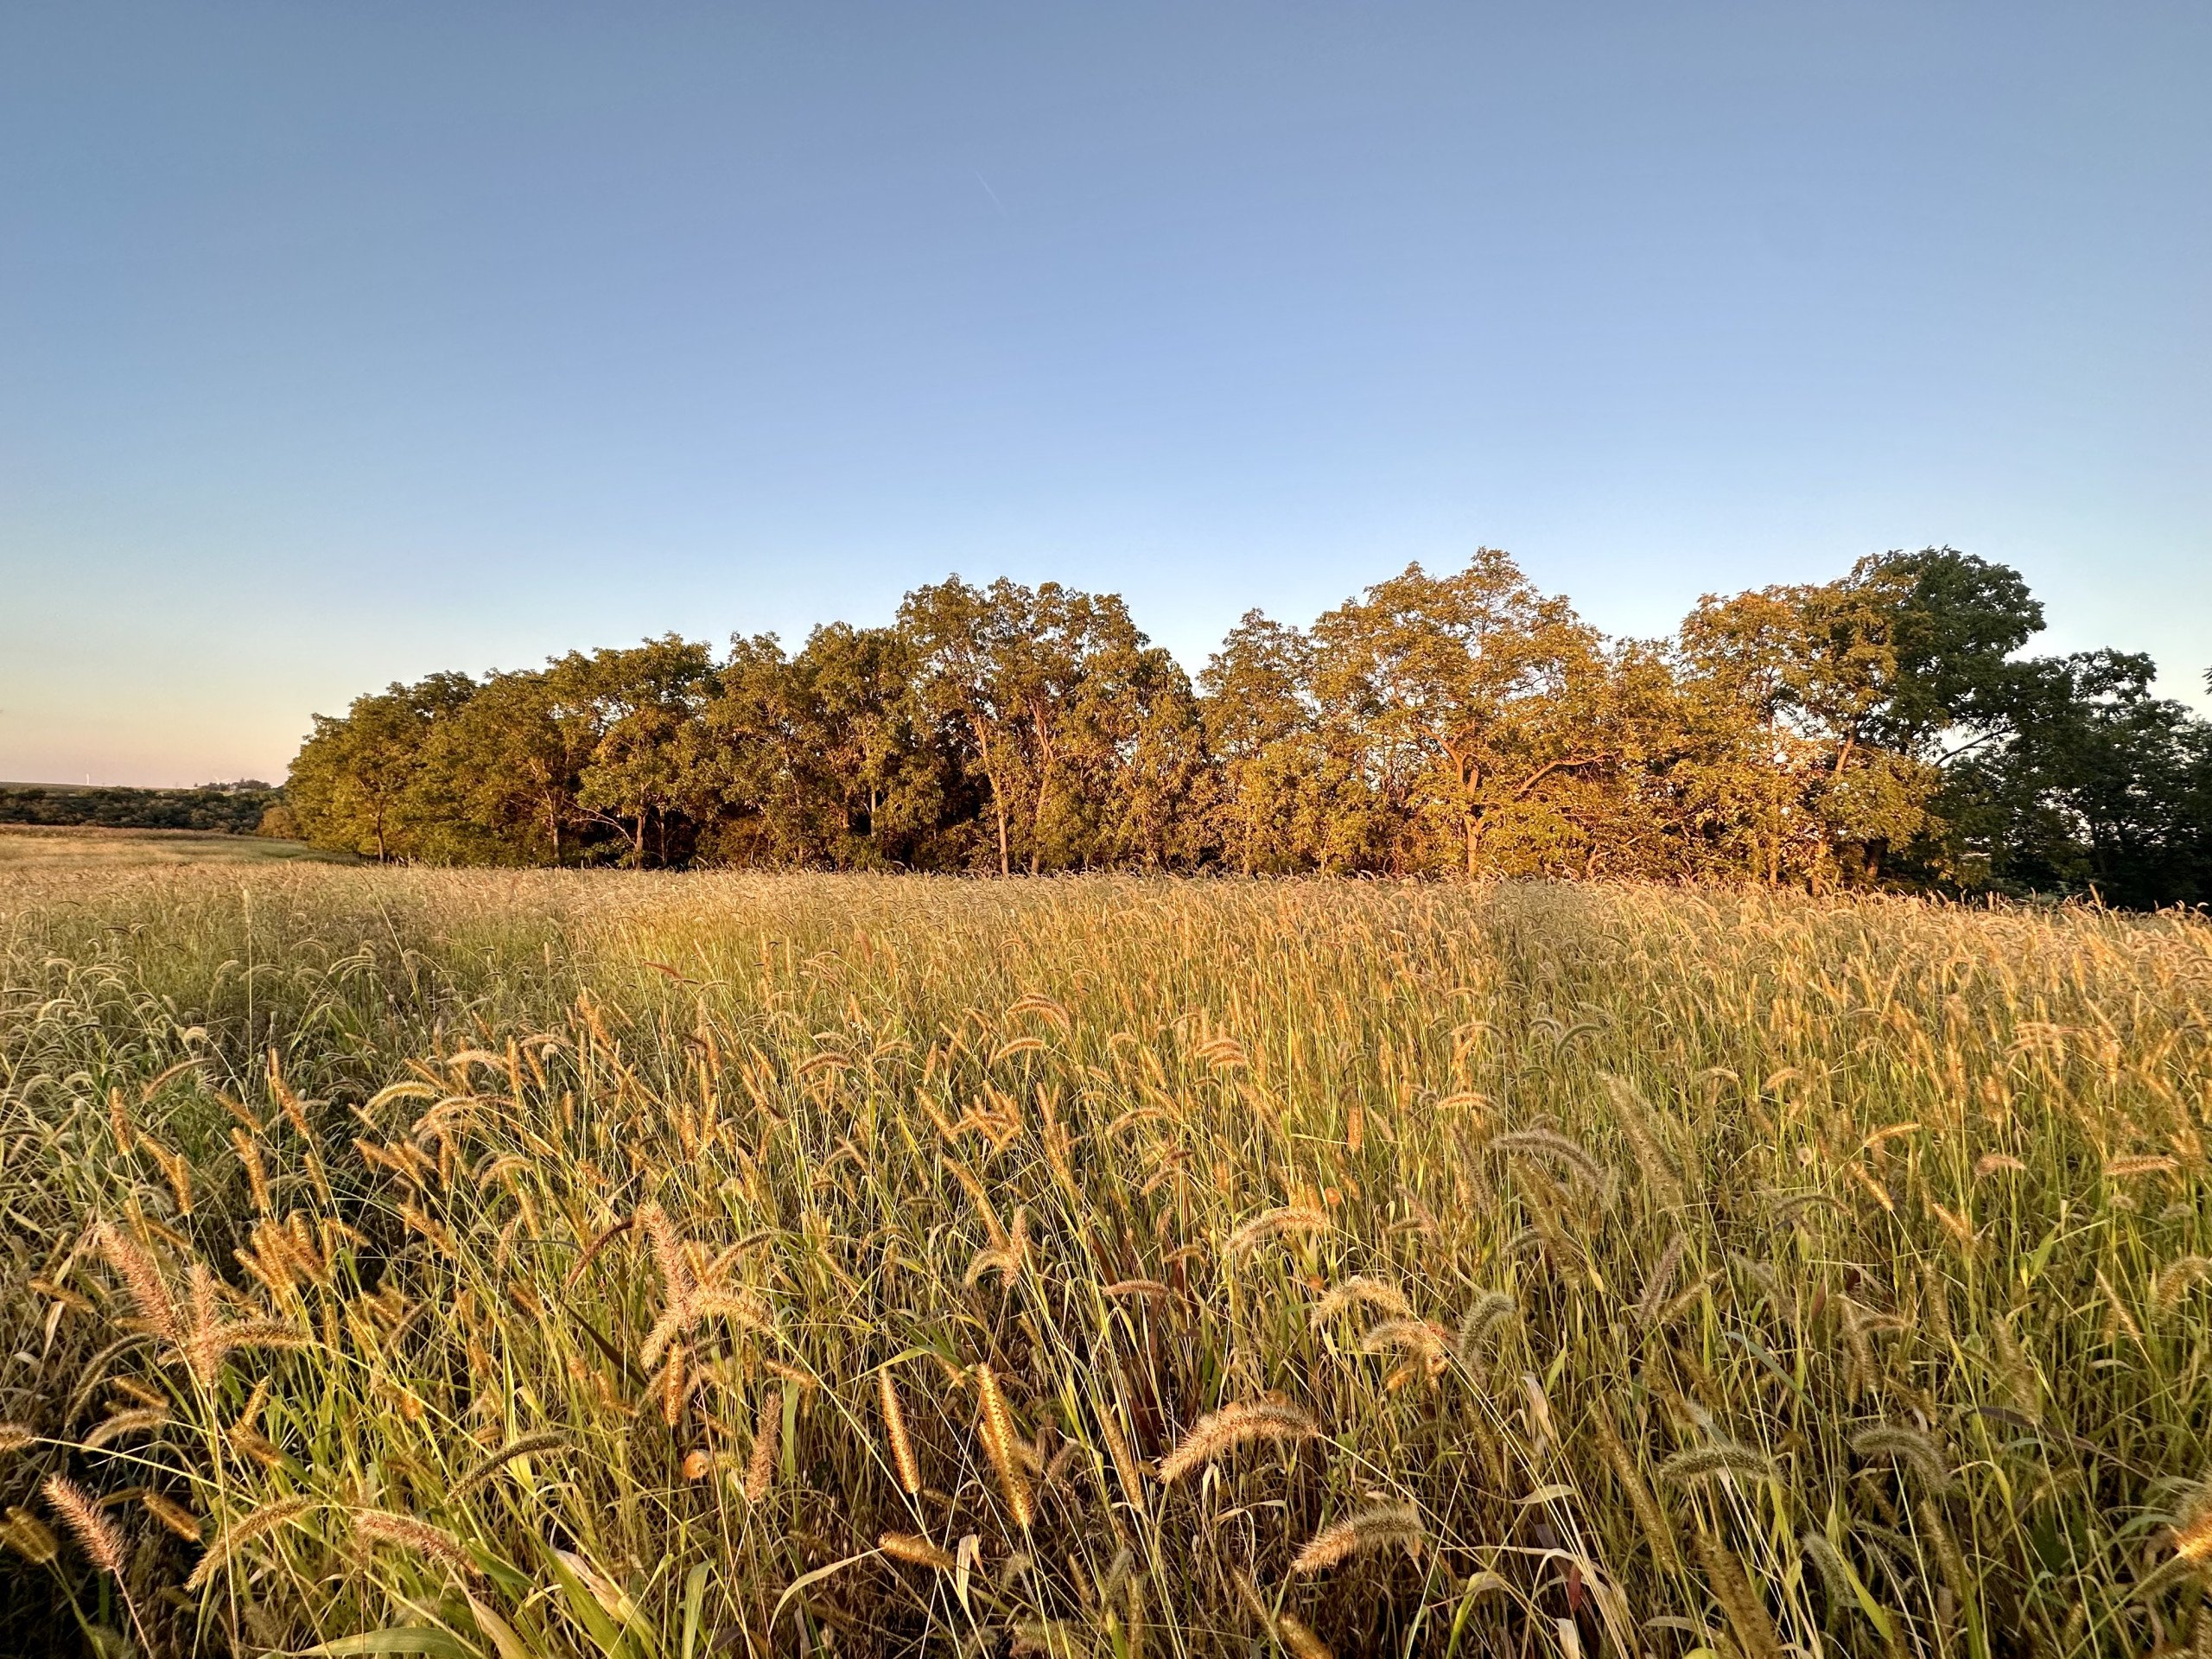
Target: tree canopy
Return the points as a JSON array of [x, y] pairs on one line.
[[1884, 728]]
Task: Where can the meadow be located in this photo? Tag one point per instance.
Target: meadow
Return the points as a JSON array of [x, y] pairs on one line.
[[533, 1264], [90, 847]]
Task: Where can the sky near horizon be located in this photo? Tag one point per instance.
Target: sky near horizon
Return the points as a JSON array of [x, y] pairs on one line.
[[339, 344]]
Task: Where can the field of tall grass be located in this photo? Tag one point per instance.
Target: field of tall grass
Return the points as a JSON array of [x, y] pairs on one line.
[[522, 1266], [91, 847]]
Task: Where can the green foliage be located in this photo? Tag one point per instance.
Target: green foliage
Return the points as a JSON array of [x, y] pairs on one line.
[[237, 809], [1880, 729]]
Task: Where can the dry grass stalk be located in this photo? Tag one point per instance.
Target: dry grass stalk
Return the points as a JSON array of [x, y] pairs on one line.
[[796, 1110], [999, 1444], [281, 1512], [767, 1432], [1219, 1432], [1381, 1526], [919, 1551], [894, 1431], [94, 1532]]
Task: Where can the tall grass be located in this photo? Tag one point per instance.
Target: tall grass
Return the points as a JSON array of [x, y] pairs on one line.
[[537, 1265]]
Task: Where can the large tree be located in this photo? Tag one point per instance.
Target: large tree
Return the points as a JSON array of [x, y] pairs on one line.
[[357, 782], [509, 765], [638, 704], [2093, 784], [1051, 690], [1469, 693]]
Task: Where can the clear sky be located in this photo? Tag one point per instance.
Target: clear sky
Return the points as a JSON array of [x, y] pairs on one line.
[[343, 342]]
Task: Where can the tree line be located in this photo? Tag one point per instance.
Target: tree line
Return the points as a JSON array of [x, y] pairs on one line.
[[246, 807], [1881, 729]]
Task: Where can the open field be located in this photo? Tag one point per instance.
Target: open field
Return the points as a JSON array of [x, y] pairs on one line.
[[558, 1264], [86, 845]]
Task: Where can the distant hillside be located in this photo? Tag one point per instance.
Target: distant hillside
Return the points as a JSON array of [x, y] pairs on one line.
[[237, 809]]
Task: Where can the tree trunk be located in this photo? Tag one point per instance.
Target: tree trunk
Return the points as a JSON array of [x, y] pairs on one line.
[[1044, 788]]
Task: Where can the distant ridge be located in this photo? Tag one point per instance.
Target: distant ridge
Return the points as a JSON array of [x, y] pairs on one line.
[[239, 809]]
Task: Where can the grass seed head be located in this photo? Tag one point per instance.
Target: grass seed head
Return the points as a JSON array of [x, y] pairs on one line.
[[1362, 1292], [767, 1430], [1906, 1446], [1000, 1445], [173, 1514], [98, 1535], [894, 1431], [1216, 1434], [917, 1550], [1722, 1459], [405, 1532], [148, 1293], [270, 1516], [1381, 1526], [1274, 1223]]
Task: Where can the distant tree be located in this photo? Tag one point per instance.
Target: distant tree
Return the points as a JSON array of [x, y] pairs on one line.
[[882, 758], [1952, 624], [1260, 727], [1816, 670], [1063, 706], [280, 823], [756, 760], [224, 809]]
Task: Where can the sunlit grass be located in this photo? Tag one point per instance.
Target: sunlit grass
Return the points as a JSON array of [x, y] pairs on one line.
[[23, 846], [552, 1264]]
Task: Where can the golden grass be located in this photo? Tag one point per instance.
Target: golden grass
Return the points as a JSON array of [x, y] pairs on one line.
[[550, 1264], [48, 847]]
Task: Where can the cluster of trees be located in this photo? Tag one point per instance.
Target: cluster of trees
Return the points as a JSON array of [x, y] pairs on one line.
[[246, 807], [1882, 728]]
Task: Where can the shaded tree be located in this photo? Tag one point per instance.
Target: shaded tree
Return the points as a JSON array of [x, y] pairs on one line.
[[638, 704]]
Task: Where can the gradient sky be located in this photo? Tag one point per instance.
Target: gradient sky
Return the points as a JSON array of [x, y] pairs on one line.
[[343, 342]]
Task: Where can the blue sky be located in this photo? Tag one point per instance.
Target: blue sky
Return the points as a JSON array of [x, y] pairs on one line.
[[341, 343]]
